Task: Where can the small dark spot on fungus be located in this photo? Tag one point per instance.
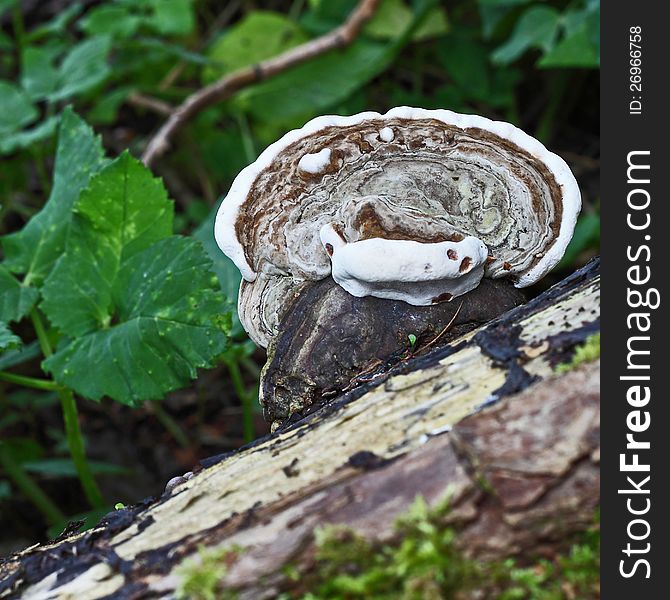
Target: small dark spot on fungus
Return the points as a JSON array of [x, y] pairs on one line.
[[465, 264], [451, 253], [507, 266], [446, 297], [329, 249]]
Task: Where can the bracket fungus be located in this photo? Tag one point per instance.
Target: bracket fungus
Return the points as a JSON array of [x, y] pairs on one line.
[[413, 207]]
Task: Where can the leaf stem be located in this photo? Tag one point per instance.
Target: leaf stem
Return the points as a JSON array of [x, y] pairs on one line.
[[19, 28], [244, 396], [170, 424], [247, 139], [75, 440], [29, 488], [31, 382]]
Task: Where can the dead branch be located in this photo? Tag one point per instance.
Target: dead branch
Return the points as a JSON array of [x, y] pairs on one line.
[[226, 86]]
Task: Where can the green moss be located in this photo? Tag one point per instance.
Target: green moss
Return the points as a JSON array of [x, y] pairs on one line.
[[587, 352], [201, 577], [426, 564], [423, 563]]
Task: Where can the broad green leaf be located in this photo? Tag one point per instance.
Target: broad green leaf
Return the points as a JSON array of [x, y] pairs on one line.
[[492, 16], [6, 5], [5, 487], [575, 50], [503, 2], [435, 25], [22, 449], [312, 87], [7, 338], [466, 61], [258, 36], [39, 76], [586, 235], [19, 356], [123, 211], [17, 109], [169, 322], [107, 107], [323, 17], [84, 67], [27, 137], [56, 25], [64, 467], [16, 300], [33, 250], [227, 273], [110, 19], [172, 17], [394, 16], [536, 28], [166, 48]]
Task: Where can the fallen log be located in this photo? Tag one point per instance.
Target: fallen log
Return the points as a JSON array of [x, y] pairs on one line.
[[484, 421]]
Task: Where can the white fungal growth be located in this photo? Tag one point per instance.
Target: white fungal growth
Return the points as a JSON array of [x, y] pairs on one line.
[[386, 134], [315, 163], [417, 273]]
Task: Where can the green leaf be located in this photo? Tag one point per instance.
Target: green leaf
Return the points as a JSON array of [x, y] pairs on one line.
[[586, 235], [226, 272], [7, 338], [33, 250], [323, 17], [19, 356], [168, 309], [466, 61], [536, 28], [172, 17], [225, 269], [57, 25], [5, 489], [22, 449], [110, 19], [23, 139], [15, 300], [575, 50], [105, 111], [310, 88], [123, 211], [391, 17], [84, 67], [394, 16], [503, 2], [6, 5], [39, 76], [258, 36], [17, 109], [64, 467]]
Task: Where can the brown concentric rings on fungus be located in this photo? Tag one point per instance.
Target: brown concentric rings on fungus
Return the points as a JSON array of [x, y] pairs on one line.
[[393, 196]]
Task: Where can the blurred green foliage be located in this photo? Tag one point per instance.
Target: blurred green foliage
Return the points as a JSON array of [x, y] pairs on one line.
[[124, 64]]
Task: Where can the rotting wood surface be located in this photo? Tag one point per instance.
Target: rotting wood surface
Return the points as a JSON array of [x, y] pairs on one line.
[[436, 425]]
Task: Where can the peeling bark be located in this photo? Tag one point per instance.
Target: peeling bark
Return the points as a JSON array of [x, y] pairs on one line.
[[484, 420]]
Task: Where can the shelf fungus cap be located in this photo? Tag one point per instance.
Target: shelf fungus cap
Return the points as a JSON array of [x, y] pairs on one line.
[[414, 205]]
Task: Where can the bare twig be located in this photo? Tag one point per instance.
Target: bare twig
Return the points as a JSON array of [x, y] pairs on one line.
[[153, 104], [226, 86]]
